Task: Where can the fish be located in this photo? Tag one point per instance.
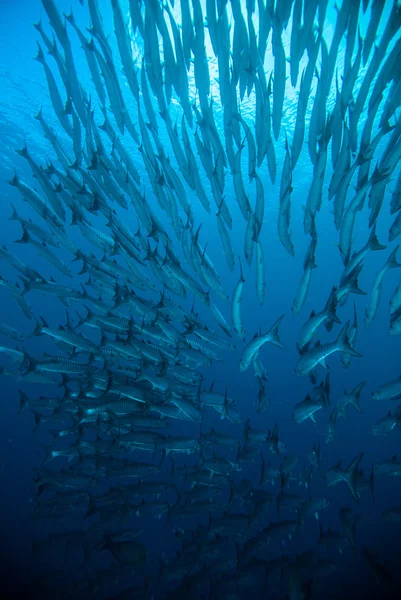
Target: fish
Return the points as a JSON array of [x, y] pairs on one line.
[[386, 424], [309, 266], [253, 347], [350, 475], [352, 332], [350, 398], [390, 467], [236, 307], [263, 399], [374, 298], [395, 323], [308, 330], [306, 409], [390, 390], [395, 300], [285, 203], [392, 515], [317, 355], [130, 553]]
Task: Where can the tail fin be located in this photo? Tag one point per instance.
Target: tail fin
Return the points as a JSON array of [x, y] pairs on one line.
[[14, 214], [273, 333], [29, 364], [329, 323], [90, 315], [272, 440], [353, 285], [38, 25], [334, 416], [49, 452], [22, 152], [23, 402], [70, 17], [26, 238], [14, 180], [331, 306], [355, 395], [373, 242], [392, 259], [40, 56], [37, 330], [38, 115], [343, 342], [351, 476], [38, 419], [331, 432]]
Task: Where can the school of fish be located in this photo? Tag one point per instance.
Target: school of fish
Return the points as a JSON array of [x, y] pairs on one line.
[[137, 158]]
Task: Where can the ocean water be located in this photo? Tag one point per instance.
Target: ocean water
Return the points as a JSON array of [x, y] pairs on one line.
[[23, 558]]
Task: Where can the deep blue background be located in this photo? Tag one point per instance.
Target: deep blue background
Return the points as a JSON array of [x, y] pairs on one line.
[[24, 90]]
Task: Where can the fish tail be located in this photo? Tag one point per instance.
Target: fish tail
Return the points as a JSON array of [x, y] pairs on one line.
[[14, 180], [273, 333], [70, 17], [331, 307], [373, 242], [351, 476], [344, 344], [356, 394], [40, 56], [392, 259], [14, 214], [23, 401]]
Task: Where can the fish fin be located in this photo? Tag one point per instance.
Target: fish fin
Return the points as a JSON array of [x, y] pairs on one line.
[[273, 333], [392, 259]]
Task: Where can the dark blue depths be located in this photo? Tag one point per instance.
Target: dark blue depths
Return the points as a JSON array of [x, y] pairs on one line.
[[99, 537]]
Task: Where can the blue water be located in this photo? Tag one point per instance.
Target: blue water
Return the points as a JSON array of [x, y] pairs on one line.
[[23, 92]]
